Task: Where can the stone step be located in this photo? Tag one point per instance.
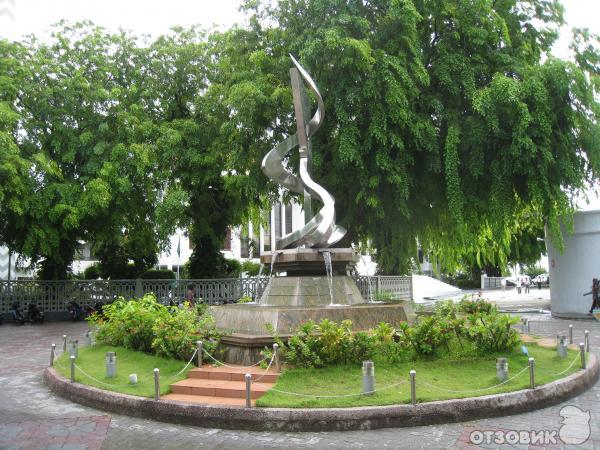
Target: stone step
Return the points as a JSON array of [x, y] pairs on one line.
[[233, 374], [218, 388], [207, 400]]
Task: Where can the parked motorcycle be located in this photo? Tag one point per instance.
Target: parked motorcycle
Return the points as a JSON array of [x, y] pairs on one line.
[[76, 312], [35, 314], [16, 314]]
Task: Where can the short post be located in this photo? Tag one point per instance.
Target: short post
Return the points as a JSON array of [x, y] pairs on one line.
[[524, 325], [88, 338], [413, 387], [531, 373], [557, 341], [64, 342], [562, 347], [501, 369], [111, 364], [570, 334], [587, 341], [52, 352], [368, 377], [73, 348], [156, 384], [582, 353], [527, 323], [72, 358], [276, 357], [199, 350], [248, 379]]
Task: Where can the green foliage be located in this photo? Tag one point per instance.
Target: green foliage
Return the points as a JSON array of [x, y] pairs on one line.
[[146, 325], [156, 274], [92, 272], [427, 335], [251, 268], [176, 336], [493, 332], [130, 323], [533, 270], [246, 299], [469, 306]]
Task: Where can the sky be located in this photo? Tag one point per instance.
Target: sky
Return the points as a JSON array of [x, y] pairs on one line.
[[21, 17]]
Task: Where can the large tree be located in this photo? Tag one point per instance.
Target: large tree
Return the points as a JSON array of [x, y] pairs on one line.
[[85, 138], [448, 123]]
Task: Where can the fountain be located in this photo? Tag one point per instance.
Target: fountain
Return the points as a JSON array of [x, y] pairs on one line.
[[304, 262]]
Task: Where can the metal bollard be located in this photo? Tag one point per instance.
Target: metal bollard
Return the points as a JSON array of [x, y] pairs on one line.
[[199, 350], [587, 340], [64, 342], [52, 352], [562, 347], [368, 377], [523, 325], [501, 369], [72, 358], [248, 379], [111, 364], [582, 352], [276, 357], [413, 387], [570, 334], [74, 348], [156, 384], [557, 341], [531, 373]]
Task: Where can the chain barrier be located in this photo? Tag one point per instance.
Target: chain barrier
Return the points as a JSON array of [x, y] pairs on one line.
[[172, 377], [474, 390], [577, 357], [266, 371], [337, 396], [232, 367]]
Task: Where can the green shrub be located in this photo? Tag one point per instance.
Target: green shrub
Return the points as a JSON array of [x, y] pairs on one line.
[[251, 268], [158, 274], [383, 296], [246, 299], [493, 332], [176, 336], [92, 272], [427, 335], [130, 323], [468, 306]]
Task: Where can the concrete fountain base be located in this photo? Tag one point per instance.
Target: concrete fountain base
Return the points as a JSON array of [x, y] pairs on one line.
[[247, 335]]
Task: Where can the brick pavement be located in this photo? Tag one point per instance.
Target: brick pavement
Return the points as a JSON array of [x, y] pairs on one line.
[[33, 418]]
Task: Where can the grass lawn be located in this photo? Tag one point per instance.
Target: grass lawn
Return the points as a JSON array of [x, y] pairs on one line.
[[454, 375], [91, 360]]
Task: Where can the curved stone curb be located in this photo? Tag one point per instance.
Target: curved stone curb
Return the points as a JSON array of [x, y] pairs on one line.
[[328, 419]]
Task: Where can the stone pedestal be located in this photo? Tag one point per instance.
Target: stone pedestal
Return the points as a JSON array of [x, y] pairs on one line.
[[246, 324], [299, 292]]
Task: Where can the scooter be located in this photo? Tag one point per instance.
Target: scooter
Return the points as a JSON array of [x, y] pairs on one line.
[[34, 314], [16, 314], [76, 312]]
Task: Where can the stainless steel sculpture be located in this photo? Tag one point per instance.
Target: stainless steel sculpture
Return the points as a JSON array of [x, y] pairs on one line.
[[319, 230]]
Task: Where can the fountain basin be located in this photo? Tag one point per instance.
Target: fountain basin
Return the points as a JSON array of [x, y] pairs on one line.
[[246, 331]]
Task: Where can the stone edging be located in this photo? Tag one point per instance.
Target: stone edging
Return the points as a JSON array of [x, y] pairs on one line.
[[328, 419]]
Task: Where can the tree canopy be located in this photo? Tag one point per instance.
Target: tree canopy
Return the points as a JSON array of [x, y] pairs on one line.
[[448, 125]]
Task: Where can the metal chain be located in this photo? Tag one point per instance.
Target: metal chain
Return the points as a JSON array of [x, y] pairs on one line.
[[336, 396], [267, 370], [232, 367], [98, 381], [570, 365], [475, 390]]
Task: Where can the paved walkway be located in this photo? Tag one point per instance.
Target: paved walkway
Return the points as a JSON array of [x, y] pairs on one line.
[[33, 418]]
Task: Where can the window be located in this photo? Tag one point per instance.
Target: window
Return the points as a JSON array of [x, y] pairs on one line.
[[244, 247], [277, 211], [288, 219], [227, 243], [267, 238]]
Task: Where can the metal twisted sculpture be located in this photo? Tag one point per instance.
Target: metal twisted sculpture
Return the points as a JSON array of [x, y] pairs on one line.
[[319, 230]]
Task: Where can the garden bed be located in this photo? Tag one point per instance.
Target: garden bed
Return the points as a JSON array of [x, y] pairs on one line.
[[91, 370], [437, 379]]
